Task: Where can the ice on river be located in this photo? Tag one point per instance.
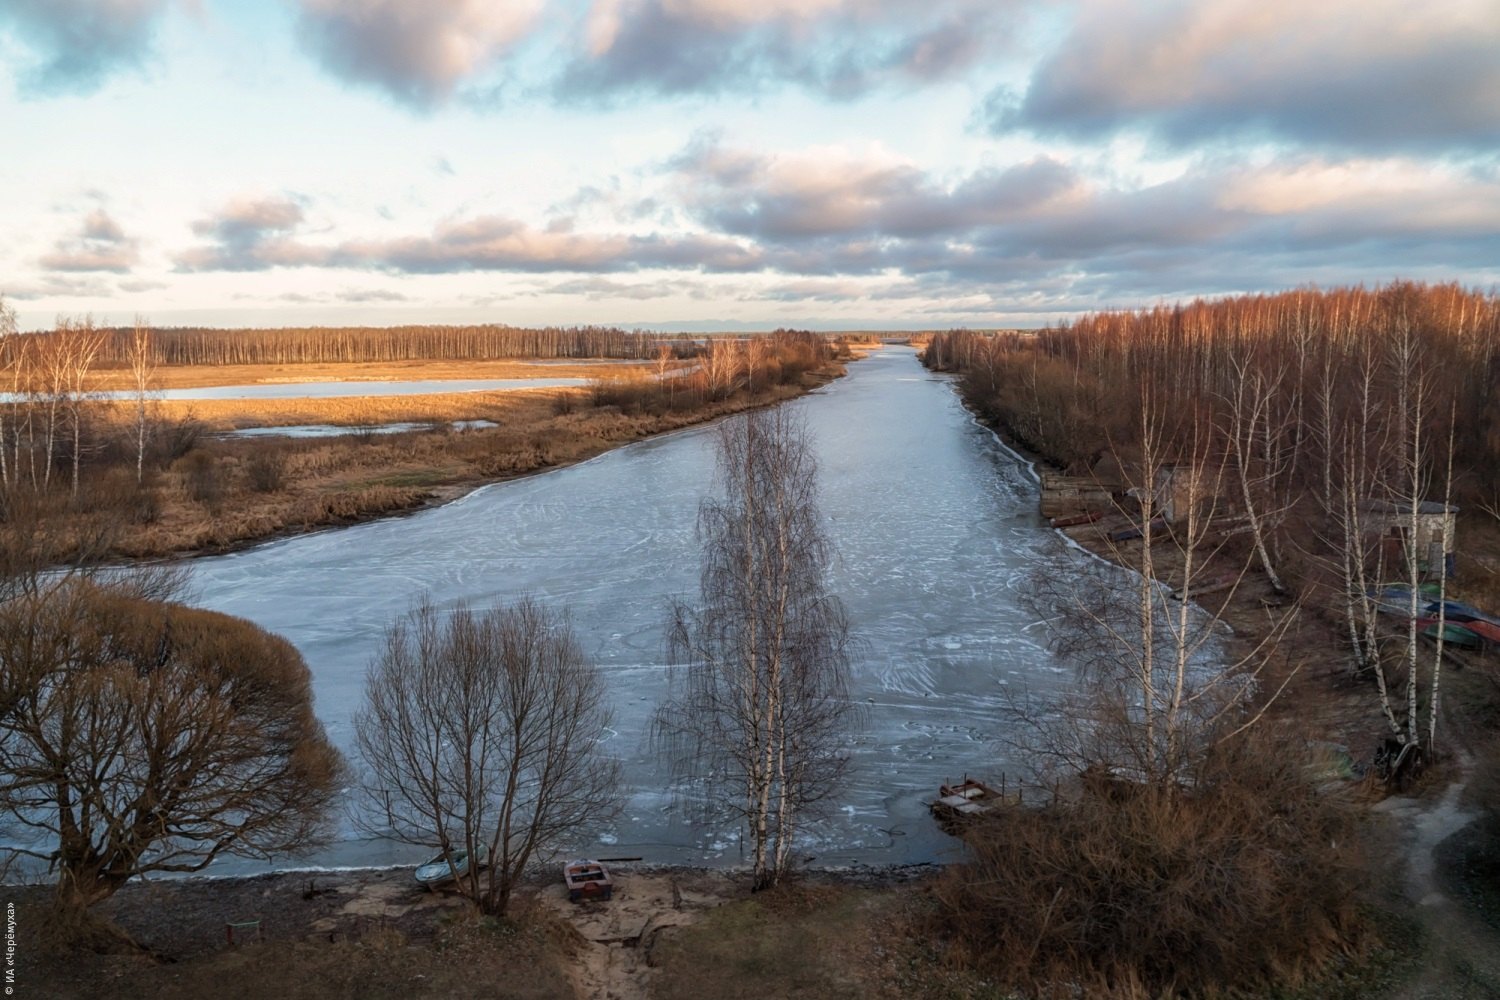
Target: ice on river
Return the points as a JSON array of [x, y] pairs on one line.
[[935, 525]]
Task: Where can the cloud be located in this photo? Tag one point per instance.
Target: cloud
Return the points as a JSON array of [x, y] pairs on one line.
[[497, 243], [841, 48], [825, 216], [101, 245], [257, 234], [80, 43], [251, 234], [371, 295], [58, 286], [603, 289], [1372, 75], [818, 290], [837, 193], [829, 225], [142, 285], [417, 52]]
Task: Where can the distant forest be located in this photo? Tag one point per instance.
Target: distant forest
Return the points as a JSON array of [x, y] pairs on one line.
[[1313, 431], [1330, 379], [336, 345]]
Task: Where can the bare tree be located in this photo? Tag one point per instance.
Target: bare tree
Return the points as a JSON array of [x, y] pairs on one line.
[[138, 736], [481, 734], [12, 356], [721, 366], [53, 368], [757, 351], [758, 712], [81, 344], [1262, 456], [1159, 682], [19, 362], [1416, 462], [664, 369], [142, 371]]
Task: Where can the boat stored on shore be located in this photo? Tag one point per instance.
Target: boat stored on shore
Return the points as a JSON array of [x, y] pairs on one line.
[[587, 880], [964, 801], [445, 868]]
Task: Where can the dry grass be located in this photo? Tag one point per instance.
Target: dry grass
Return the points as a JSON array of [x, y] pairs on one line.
[[230, 414], [434, 955], [811, 942], [1243, 878], [196, 376], [218, 494]]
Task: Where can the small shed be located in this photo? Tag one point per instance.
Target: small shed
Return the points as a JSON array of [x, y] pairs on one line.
[[1065, 495], [1178, 488], [1436, 525]]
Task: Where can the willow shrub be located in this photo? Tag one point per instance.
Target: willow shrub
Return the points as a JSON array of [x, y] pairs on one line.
[[1240, 877]]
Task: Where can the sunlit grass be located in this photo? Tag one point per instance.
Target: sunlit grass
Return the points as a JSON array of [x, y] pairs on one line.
[[198, 376], [230, 414]]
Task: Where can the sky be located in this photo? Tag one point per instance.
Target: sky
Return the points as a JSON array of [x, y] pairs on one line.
[[719, 164]]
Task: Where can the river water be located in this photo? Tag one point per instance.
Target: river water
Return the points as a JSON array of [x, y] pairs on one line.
[[937, 529]]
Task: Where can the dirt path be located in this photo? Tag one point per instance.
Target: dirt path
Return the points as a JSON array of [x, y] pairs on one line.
[[1463, 953], [615, 957]]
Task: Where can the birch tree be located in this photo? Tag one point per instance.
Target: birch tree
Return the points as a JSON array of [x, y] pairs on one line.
[[142, 371], [13, 355], [1261, 457], [758, 713], [1159, 683], [1416, 461], [79, 347]]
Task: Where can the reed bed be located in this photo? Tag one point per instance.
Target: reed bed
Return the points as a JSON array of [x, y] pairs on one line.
[[199, 376], [226, 493], [219, 415]]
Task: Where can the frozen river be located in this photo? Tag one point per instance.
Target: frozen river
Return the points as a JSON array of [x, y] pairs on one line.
[[936, 526]]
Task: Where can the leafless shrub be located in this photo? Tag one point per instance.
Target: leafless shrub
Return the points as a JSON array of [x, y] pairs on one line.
[[1241, 877], [266, 468], [481, 735], [202, 479], [176, 438]]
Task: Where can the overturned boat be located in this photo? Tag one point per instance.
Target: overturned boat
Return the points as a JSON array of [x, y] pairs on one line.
[[446, 868]]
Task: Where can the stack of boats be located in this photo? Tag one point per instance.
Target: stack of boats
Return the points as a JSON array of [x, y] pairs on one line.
[[1458, 624]]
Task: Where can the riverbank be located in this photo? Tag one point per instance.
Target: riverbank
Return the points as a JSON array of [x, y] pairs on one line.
[[672, 933], [225, 494], [375, 933], [1308, 678], [1422, 847], [834, 935]]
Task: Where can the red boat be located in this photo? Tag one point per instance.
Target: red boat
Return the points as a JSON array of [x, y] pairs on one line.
[[587, 880]]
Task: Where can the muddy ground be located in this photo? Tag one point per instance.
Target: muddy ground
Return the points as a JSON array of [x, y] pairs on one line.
[[373, 933]]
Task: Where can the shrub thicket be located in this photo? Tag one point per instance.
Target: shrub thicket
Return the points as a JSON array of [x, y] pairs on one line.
[[1242, 877]]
